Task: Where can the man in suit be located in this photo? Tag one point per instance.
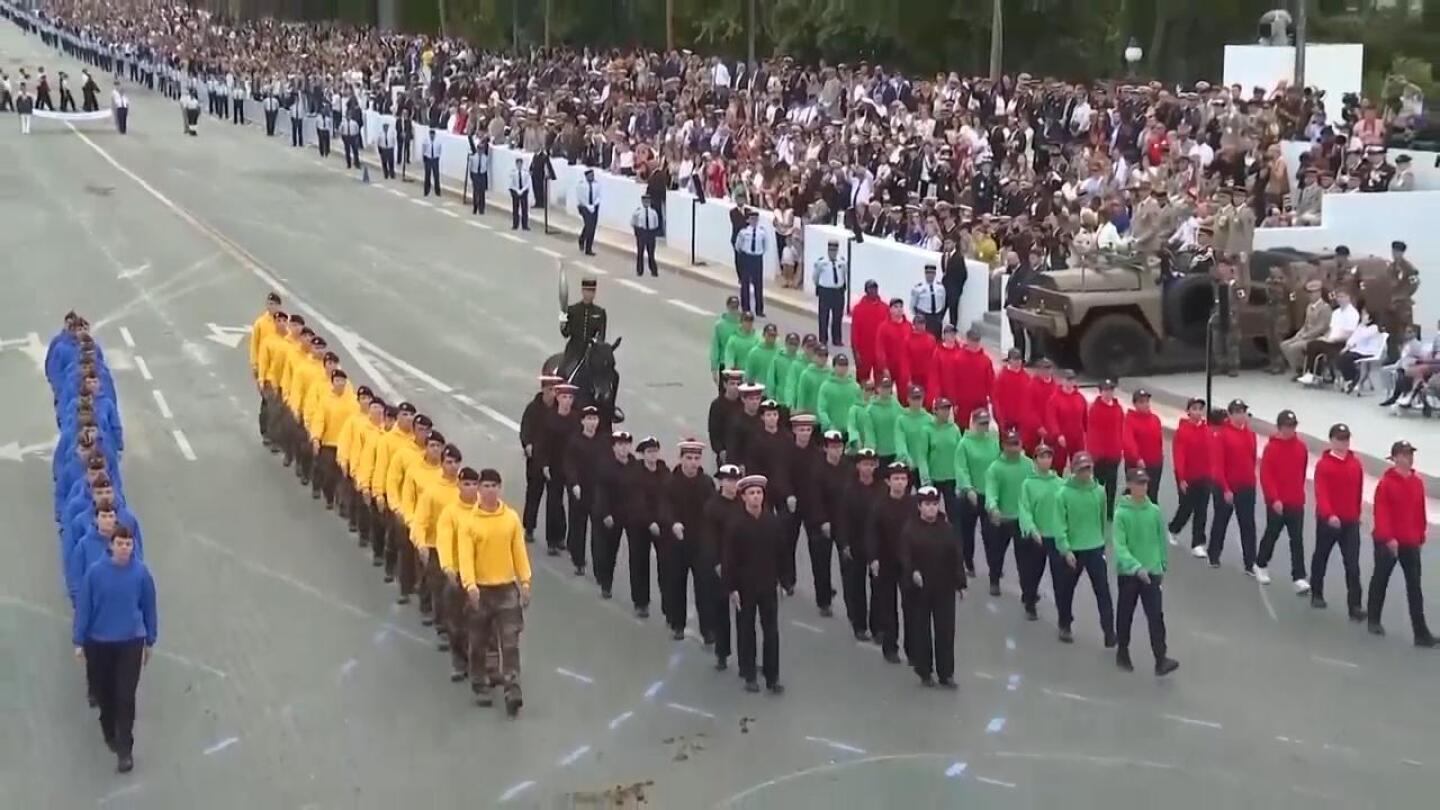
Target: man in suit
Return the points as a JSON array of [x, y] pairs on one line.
[[541, 175], [953, 275], [588, 201]]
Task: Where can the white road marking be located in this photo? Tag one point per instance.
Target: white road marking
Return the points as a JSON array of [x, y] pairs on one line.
[[1265, 600], [992, 607], [1010, 644], [1012, 683], [1213, 638], [397, 192], [654, 689], [348, 667], [570, 758], [126, 336], [838, 746], [221, 746], [512, 237], [144, 369], [675, 659], [956, 769], [491, 412], [184, 444], [996, 782], [121, 791], [1410, 762], [482, 226], [619, 719], [995, 726], [1335, 662], [1071, 696], [803, 626], [516, 790], [590, 268], [635, 285], [447, 212], [554, 254], [162, 404], [421, 202], [574, 675], [681, 707], [984, 676], [1190, 721], [688, 307]]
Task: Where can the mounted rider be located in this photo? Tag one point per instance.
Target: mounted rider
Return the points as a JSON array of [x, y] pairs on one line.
[[583, 323]]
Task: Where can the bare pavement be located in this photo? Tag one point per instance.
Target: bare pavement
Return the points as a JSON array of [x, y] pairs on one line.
[[287, 678]]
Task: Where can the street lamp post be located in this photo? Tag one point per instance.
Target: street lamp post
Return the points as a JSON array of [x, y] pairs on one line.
[[1133, 54]]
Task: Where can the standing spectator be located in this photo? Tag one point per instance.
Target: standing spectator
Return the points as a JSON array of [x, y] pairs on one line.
[[646, 224], [115, 629], [752, 244], [519, 197], [588, 203], [1400, 527]]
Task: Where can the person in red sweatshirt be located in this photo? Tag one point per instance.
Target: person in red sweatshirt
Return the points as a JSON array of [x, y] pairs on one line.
[[892, 346], [1400, 526], [1144, 441], [944, 378], [1037, 400], [1339, 480], [1235, 485], [977, 383], [921, 349], [1105, 440], [865, 318], [1012, 393], [1282, 479], [1194, 475], [1065, 420]]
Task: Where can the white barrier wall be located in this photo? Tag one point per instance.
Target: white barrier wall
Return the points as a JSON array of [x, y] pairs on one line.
[[1336, 69], [1425, 164], [1367, 224]]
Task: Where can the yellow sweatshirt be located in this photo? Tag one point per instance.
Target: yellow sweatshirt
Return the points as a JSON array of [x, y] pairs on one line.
[[393, 440], [403, 457], [328, 414], [269, 358], [432, 493], [304, 371], [263, 328], [371, 441], [448, 527], [492, 549], [347, 446], [315, 393], [282, 358]]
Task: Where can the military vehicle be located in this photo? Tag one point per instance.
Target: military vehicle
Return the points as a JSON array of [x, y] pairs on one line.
[[1116, 315]]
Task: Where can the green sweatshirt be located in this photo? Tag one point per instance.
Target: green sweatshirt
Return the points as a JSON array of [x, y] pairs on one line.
[[943, 443], [977, 452], [881, 416], [836, 396], [798, 367], [1139, 537], [725, 326], [1039, 502], [738, 347], [1003, 481], [1082, 516], [858, 428], [785, 361], [807, 390], [912, 438], [759, 366]]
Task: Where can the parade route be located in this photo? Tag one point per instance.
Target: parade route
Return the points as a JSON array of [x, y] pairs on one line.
[[286, 677]]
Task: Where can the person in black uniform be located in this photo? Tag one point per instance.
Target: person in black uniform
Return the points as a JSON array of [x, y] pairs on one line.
[[581, 324], [723, 409], [805, 457], [557, 425], [744, 425], [856, 497], [645, 511], [686, 494], [583, 454], [753, 583], [610, 516], [882, 545], [532, 422], [769, 453], [930, 564], [714, 525]]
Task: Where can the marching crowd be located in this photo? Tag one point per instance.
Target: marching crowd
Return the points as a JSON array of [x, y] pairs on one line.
[[111, 592]]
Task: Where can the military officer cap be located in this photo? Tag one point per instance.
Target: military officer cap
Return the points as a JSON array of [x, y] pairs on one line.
[[895, 468], [834, 437], [1237, 406], [751, 390], [588, 284], [691, 447], [589, 410], [802, 420], [1081, 461], [621, 437], [927, 495], [550, 380], [1137, 475], [728, 472], [1011, 438], [1315, 285], [648, 443], [1287, 417], [750, 482], [769, 405], [866, 454], [566, 390], [1398, 245]]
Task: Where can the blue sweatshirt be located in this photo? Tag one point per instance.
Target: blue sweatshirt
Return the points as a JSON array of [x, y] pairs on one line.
[[116, 603], [107, 419], [59, 365], [92, 548], [85, 522]]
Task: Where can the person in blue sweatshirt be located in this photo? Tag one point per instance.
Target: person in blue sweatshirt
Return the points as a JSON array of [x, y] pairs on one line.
[[62, 347], [80, 517], [92, 547], [114, 631], [102, 412], [59, 369], [77, 465]]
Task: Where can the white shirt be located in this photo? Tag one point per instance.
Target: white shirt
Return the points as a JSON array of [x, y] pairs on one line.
[[118, 100], [1109, 238], [1343, 322], [478, 163], [720, 75], [1367, 341], [520, 181], [645, 219], [927, 298], [830, 275], [588, 194], [1187, 235], [386, 139], [753, 240], [430, 148]]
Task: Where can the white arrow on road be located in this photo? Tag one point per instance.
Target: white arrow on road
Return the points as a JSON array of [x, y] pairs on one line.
[[229, 336], [31, 345], [14, 451]]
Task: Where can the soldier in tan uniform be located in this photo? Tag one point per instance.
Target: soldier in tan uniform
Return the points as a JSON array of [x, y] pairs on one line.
[[1146, 225], [1314, 327], [1223, 221], [1225, 318], [1277, 321], [1404, 282]]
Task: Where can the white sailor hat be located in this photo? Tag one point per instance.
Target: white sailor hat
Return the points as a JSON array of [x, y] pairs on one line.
[[752, 389], [750, 481], [691, 446], [647, 443]]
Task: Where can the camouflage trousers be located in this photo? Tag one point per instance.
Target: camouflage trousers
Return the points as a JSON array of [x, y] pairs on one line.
[[495, 614], [1225, 348]]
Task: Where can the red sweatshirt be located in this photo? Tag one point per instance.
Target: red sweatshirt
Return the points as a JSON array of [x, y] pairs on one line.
[[1282, 472], [892, 352], [1105, 430], [1144, 439], [865, 319], [1012, 398], [1338, 485], [1037, 398], [1236, 467], [976, 384], [1065, 416], [1400, 508], [944, 378], [920, 349], [1193, 452]]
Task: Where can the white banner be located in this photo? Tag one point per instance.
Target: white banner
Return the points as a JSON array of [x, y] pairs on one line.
[[102, 115]]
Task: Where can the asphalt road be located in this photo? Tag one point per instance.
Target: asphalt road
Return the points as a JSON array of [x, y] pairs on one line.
[[287, 677]]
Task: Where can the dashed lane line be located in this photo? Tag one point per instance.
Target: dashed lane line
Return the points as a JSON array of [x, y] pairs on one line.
[[184, 444], [590, 268], [636, 286], [688, 307], [127, 337], [512, 237], [162, 404], [554, 254], [144, 368]]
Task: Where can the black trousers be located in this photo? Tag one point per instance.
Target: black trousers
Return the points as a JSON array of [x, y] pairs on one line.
[[375, 529], [1017, 334], [933, 630], [577, 525], [891, 604], [478, 184], [1030, 558], [1292, 520], [1409, 559], [950, 499], [1107, 472], [238, 108], [952, 306], [534, 492], [590, 219], [1193, 508], [555, 534], [351, 145], [270, 116], [326, 473], [122, 119], [969, 518], [750, 272], [786, 553], [820, 548], [677, 565], [297, 131], [519, 210], [322, 138], [767, 606], [1242, 506], [853, 581], [832, 314], [112, 673], [1347, 537], [999, 541], [387, 163], [644, 252], [605, 549], [719, 609], [1090, 563], [432, 169], [1150, 597], [638, 542]]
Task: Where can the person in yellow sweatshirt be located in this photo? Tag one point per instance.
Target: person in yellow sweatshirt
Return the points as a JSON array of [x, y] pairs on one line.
[[388, 531], [367, 439], [422, 458], [495, 571], [312, 380], [263, 328], [428, 489], [449, 525], [295, 353], [345, 492], [329, 410], [269, 362]]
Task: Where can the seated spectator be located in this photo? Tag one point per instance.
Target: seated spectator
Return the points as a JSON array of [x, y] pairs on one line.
[[1413, 353], [1367, 342], [1344, 320]]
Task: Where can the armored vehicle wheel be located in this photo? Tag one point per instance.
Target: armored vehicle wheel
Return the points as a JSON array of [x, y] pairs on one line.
[[1116, 345]]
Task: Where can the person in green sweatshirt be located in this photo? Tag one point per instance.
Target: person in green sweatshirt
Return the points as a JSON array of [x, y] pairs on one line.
[[1039, 513], [1140, 563], [881, 416], [798, 367], [807, 388], [1003, 481], [836, 396], [785, 361], [858, 430], [912, 434], [1079, 547], [726, 325], [738, 347], [978, 449], [759, 363]]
